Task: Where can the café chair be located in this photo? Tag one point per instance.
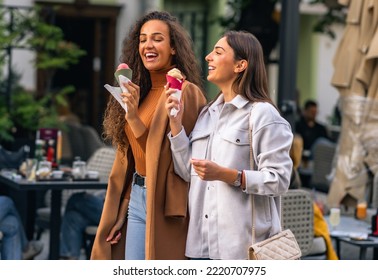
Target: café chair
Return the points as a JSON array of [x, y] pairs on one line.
[[79, 140], [101, 161], [323, 161], [298, 216], [91, 140]]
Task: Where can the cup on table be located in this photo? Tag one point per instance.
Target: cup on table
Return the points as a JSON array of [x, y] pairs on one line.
[[334, 217], [79, 169], [44, 169], [92, 174], [361, 210], [57, 174]]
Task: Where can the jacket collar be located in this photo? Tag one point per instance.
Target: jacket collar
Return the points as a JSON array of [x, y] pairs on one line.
[[238, 101]]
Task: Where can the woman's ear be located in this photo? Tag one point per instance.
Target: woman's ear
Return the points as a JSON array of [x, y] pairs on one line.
[[241, 65], [173, 51]]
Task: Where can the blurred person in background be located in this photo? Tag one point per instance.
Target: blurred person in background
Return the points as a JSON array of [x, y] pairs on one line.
[[15, 245], [309, 128]]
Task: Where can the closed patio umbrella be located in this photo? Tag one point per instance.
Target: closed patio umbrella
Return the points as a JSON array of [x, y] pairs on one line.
[[356, 79]]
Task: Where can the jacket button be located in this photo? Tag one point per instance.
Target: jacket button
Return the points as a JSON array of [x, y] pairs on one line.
[[206, 216], [237, 140]]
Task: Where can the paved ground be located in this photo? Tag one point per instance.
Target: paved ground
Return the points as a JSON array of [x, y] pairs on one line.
[[45, 253]]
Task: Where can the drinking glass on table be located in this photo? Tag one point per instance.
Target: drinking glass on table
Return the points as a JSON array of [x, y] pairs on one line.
[[361, 210], [30, 168], [334, 217], [44, 169], [79, 168]]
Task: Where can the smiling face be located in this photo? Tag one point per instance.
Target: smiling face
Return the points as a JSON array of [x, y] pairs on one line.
[[221, 64], [155, 45]]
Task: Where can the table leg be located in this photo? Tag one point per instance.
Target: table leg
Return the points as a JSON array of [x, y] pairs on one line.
[[55, 219], [31, 208], [363, 253], [337, 241]]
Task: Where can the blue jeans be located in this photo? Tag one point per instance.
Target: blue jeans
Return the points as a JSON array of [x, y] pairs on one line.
[[136, 224], [82, 210], [14, 239]]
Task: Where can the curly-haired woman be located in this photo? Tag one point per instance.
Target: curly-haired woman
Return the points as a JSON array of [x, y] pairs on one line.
[[145, 209]]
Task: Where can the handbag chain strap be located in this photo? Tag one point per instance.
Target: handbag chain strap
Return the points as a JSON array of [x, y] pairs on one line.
[[252, 166]]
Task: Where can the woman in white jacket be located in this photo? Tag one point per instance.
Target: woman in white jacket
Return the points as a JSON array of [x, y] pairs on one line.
[[216, 156]]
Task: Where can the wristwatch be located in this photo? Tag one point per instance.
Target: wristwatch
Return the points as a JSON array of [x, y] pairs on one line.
[[237, 182]]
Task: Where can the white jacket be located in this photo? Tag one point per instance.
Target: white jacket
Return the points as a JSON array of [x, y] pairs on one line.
[[221, 214]]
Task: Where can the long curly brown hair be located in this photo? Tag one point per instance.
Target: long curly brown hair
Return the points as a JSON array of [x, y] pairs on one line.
[[184, 59]]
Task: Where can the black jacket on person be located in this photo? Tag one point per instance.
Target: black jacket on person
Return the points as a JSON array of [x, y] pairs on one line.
[[310, 134]]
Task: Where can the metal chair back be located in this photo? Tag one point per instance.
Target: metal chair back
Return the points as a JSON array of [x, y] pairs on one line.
[[298, 216], [323, 157]]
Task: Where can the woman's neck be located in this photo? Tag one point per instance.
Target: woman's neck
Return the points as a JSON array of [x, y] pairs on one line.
[[158, 78], [228, 93]]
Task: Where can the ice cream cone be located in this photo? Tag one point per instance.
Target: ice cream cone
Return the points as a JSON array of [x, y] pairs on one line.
[[174, 82], [124, 70], [123, 75]]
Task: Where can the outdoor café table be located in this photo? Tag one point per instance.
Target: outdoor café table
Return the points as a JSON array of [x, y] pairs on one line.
[[354, 232], [56, 188]]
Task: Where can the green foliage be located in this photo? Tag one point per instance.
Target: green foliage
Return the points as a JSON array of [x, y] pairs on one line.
[[334, 14], [32, 113], [5, 125], [32, 110], [48, 41]]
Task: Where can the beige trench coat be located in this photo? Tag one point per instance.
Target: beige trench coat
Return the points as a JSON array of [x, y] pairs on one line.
[[167, 193], [355, 78]]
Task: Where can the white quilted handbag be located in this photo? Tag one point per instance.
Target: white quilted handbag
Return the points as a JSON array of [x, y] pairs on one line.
[[282, 246]]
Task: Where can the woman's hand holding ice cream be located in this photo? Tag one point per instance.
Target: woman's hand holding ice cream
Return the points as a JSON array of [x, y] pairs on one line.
[[128, 95], [172, 103], [131, 99], [175, 80], [123, 75], [130, 91]]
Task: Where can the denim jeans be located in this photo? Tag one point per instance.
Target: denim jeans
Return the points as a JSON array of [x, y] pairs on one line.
[[82, 210], [14, 239], [136, 224]]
